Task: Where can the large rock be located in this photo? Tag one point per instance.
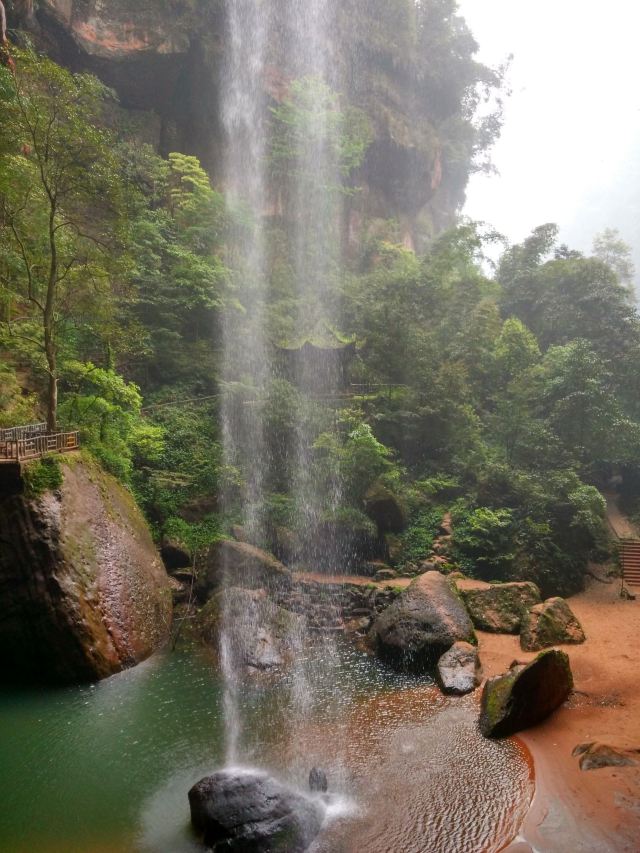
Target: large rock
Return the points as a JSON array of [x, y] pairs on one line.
[[500, 608], [525, 695], [239, 564], [343, 545], [550, 624], [422, 623], [459, 669], [252, 813], [84, 593], [595, 756], [175, 554], [260, 635], [385, 509]]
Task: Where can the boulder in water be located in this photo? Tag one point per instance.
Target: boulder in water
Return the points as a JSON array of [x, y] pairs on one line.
[[84, 592], [239, 564], [550, 624], [422, 623], [526, 695], [250, 812], [318, 780], [500, 608], [459, 669], [260, 635]]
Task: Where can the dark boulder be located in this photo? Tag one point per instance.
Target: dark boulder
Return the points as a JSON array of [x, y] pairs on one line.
[[385, 509], [422, 623], [260, 635], [459, 669], [526, 695], [550, 624], [175, 554], [343, 545], [318, 780], [239, 564], [249, 812], [500, 608]]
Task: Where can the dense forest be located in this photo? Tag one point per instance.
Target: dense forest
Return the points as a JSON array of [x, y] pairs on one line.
[[308, 482], [505, 394]]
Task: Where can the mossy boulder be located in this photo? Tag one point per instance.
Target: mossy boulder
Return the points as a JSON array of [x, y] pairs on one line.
[[175, 553], [526, 695], [84, 592], [260, 635], [500, 608], [239, 564], [421, 624], [551, 623], [385, 509]]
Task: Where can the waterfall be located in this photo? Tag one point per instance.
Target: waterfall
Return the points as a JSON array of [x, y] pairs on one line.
[[306, 203]]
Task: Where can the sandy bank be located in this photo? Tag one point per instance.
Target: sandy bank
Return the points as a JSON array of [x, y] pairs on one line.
[[573, 810]]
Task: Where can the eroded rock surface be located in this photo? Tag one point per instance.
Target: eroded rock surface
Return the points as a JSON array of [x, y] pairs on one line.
[[260, 635], [526, 695], [500, 608], [459, 669], [551, 623], [422, 623], [84, 593], [248, 812], [594, 756]]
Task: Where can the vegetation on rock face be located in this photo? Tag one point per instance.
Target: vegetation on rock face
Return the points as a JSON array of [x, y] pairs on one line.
[[506, 401]]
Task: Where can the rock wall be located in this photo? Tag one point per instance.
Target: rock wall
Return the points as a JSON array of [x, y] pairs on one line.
[[165, 56], [84, 594]]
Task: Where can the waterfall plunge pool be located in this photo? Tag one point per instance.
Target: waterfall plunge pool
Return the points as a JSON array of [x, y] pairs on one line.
[[107, 767]]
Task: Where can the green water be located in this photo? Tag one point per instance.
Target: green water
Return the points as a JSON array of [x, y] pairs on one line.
[[107, 767]]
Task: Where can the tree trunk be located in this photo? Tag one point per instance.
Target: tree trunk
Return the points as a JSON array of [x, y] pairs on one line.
[[52, 389], [52, 403], [49, 322]]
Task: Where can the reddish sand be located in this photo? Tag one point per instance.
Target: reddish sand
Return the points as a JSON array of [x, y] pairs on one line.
[[575, 811], [595, 810]]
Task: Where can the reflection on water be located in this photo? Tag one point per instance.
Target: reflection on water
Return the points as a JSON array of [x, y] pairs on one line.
[[107, 768]]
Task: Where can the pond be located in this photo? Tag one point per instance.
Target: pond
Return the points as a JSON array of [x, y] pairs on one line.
[[107, 767]]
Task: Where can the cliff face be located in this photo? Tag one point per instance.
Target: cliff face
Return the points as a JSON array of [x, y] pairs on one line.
[[84, 593], [411, 71]]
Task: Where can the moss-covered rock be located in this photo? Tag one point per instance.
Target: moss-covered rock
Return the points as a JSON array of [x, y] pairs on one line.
[[500, 608], [239, 564], [84, 592], [526, 695], [551, 623], [385, 509], [422, 623]]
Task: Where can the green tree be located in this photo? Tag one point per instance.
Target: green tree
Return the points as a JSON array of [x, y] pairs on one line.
[[59, 188]]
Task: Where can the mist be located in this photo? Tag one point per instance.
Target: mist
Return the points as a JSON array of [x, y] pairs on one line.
[[568, 150]]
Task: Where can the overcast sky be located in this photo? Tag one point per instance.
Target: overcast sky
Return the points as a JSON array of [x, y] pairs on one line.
[[570, 148]]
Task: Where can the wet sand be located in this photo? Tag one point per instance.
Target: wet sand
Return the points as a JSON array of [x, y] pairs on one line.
[[597, 810]]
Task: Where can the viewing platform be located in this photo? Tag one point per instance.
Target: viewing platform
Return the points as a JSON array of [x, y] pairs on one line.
[[33, 441]]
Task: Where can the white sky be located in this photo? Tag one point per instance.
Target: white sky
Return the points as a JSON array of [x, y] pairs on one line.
[[570, 147]]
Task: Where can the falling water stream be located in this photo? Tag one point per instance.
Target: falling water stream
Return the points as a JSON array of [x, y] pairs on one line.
[[107, 767]]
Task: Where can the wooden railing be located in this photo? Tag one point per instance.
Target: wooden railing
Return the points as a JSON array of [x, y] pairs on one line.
[[21, 432], [36, 446]]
